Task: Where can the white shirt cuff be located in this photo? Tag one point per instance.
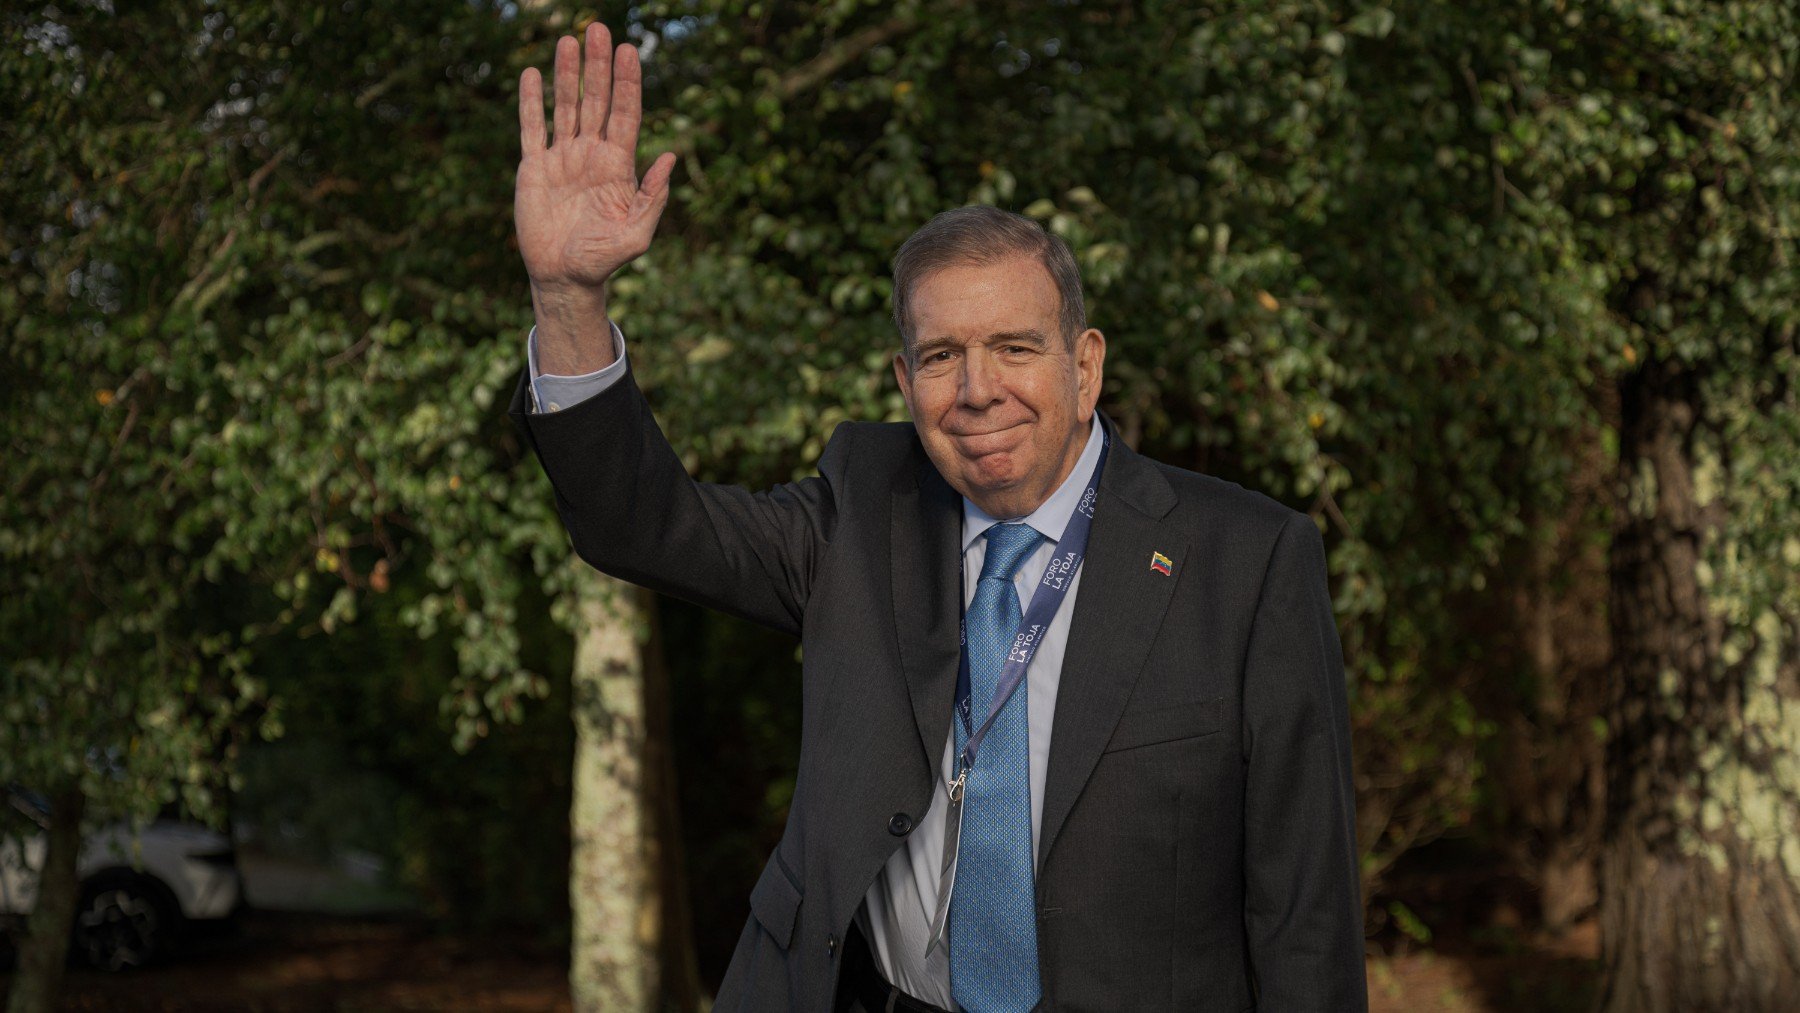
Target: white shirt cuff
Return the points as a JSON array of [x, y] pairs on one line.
[[552, 393]]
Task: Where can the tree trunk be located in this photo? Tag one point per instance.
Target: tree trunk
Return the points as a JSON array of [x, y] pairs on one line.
[[45, 947], [632, 940], [1700, 874], [680, 967], [617, 917], [1551, 767]]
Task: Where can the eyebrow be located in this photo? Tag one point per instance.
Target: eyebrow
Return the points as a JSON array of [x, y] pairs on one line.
[[1028, 336]]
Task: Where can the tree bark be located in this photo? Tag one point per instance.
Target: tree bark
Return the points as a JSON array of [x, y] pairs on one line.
[[1700, 873], [633, 947], [1551, 767], [613, 896], [45, 948]]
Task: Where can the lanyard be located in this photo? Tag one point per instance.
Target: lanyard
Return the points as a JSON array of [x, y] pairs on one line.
[[1045, 601]]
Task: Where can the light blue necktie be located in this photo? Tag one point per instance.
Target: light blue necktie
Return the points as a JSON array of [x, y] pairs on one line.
[[993, 910]]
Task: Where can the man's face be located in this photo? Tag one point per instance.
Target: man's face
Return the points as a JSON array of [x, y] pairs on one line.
[[1001, 401]]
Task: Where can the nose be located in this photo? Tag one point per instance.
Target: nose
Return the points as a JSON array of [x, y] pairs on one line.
[[981, 386]]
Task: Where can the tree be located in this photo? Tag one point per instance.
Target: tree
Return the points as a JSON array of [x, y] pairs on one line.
[[1654, 152], [632, 946], [1686, 193], [1413, 268], [261, 303]]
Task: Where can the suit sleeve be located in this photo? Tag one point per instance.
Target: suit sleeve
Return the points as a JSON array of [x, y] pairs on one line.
[[633, 511], [1302, 899]]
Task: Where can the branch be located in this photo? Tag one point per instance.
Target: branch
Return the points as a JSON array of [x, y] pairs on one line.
[[379, 88], [257, 177], [810, 74], [816, 70], [350, 353], [131, 416], [204, 276]]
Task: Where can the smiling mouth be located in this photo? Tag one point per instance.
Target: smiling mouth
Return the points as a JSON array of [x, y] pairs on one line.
[[979, 446], [991, 432]]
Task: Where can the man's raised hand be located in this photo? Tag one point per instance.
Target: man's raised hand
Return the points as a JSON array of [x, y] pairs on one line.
[[579, 208]]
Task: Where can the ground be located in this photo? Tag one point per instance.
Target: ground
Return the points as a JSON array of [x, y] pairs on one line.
[[1540, 974], [299, 963]]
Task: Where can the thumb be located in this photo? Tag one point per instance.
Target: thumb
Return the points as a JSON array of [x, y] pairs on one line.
[[653, 192]]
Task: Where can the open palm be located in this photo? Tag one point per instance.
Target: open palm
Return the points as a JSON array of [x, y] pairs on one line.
[[578, 207]]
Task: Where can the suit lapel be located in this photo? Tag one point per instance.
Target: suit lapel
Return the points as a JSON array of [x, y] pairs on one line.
[[926, 566], [1118, 610]]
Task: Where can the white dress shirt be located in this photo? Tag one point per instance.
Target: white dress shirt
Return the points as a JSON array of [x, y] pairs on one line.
[[896, 913], [554, 393]]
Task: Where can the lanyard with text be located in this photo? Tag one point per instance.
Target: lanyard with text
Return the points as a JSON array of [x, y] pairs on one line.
[[1059, 575]]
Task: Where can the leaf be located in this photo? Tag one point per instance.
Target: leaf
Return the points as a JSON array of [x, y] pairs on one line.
[[1373, 22]]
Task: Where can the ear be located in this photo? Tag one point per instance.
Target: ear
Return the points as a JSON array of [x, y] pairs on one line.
[[903, 376], [1090, 369]]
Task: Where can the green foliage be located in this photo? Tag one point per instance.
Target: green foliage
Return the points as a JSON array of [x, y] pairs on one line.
[[260, 306], [1382, 261]]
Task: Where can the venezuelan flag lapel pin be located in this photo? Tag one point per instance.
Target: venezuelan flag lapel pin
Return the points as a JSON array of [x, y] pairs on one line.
[[1162, 564]]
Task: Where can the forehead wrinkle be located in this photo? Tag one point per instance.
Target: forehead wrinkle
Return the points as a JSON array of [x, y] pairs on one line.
[[988, 292]]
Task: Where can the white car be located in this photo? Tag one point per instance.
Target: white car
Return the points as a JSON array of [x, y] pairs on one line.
[[138, 892]]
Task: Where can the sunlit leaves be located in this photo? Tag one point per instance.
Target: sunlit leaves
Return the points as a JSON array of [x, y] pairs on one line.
[[263, 315]]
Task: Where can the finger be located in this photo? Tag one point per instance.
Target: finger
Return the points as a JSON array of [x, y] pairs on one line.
[[531, 111], [596, 81], [627, 101], [568, 54], [656, 178], [653, 193]]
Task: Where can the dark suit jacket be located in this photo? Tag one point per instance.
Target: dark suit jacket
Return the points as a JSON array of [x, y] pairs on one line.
[[1197, 847]]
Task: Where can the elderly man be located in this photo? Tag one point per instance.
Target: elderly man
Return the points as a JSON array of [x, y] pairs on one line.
[[1074, 731]]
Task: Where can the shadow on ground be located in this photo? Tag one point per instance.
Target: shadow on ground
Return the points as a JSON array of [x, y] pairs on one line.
[[1540, 974], [273, 962], [298, 963]]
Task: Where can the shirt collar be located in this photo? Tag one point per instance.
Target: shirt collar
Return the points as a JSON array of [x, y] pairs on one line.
[[1051, 517]]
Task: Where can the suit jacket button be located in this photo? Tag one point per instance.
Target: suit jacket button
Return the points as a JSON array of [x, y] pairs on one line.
[[831, 945], [900, 825]]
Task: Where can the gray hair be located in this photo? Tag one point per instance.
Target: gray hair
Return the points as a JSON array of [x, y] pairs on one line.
[[977, 235]]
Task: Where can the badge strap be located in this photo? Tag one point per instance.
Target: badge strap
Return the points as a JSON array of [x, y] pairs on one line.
[[1048, 597]]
